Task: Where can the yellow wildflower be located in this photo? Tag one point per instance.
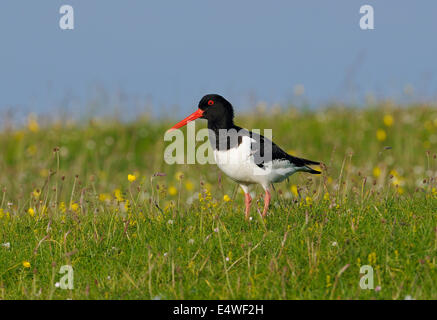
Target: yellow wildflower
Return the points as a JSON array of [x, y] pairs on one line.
[[358, 262], [226, 198], [309, 200], [294, 190], [118, 195], [104, 196], [32, 123], [381, 135], [206, 199], [179, 175], [31, 212], [36, 193], [172, 191], [372, 258], [388, 120], [126, 206], [131, 177], [376, 172], [62, 207], [397, 181], [26, 264], [394, 173], [189, 185], [326, 196], [74, 206]]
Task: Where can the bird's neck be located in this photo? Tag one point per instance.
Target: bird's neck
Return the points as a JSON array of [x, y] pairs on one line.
[[223, 123], [223, 135]]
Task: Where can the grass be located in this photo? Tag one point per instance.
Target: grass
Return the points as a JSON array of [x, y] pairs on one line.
[[169, 233]]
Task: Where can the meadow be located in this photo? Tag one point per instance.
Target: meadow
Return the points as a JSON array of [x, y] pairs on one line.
[[97, 195]]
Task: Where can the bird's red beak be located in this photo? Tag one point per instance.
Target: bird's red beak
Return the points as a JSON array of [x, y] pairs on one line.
[[190, 118]]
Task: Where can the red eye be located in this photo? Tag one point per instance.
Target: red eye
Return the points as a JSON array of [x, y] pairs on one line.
[[210, 102]]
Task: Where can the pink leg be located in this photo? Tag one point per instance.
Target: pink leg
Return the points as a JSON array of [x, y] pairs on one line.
[[267, 198], [247, 202]]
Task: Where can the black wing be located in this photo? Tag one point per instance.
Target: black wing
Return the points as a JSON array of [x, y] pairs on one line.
[[265, 150]]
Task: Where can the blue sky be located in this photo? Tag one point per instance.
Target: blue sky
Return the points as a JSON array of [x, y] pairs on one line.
[[170, 53]]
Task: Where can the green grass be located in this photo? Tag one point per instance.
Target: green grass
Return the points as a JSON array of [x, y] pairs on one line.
[[173, 237]]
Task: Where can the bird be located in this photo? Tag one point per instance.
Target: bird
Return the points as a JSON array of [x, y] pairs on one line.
[[244, 156]]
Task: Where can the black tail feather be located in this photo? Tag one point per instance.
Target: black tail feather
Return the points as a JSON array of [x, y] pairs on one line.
[[301, 161], [311, 170], [306, 161]]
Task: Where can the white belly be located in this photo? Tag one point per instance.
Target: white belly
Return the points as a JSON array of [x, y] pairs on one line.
[[238, 163]]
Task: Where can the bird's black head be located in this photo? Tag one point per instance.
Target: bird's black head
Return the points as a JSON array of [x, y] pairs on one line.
[[214, 108], [217, 110]]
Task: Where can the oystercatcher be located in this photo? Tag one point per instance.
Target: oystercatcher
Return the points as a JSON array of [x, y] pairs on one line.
[[246, 157]]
